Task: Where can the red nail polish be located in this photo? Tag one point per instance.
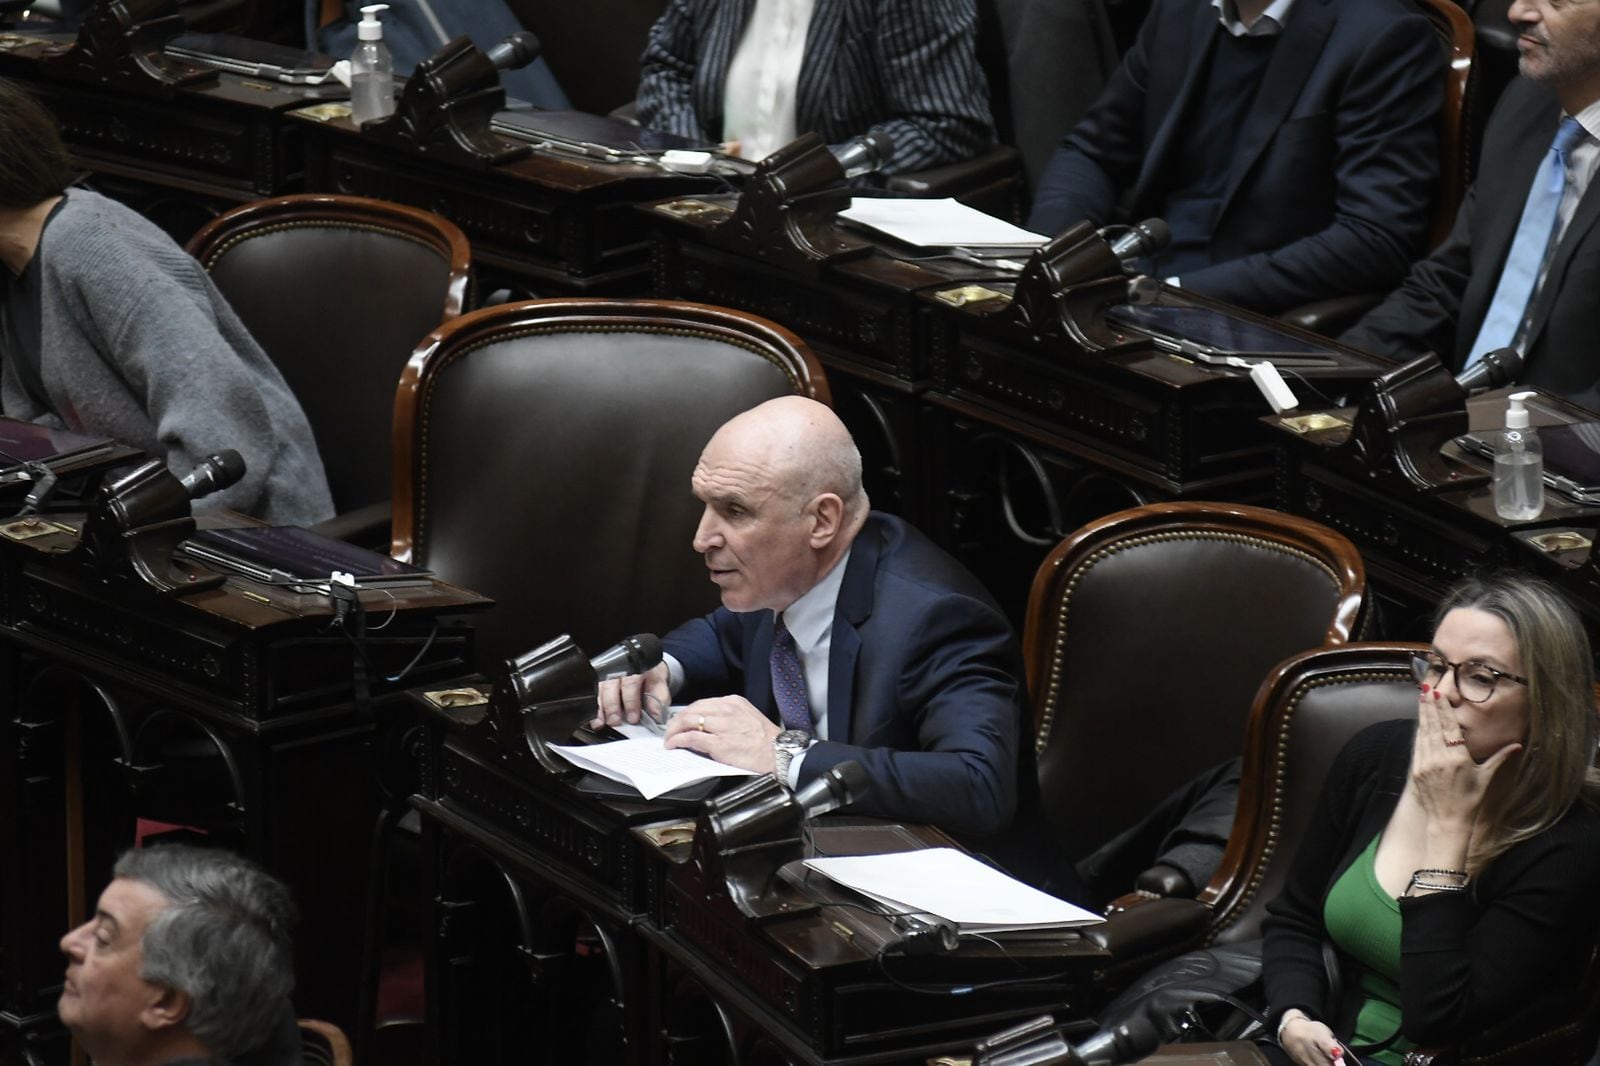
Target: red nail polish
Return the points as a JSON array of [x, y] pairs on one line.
[[1425, 690]]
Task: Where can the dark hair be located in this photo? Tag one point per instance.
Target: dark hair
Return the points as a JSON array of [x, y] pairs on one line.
[[34, 165], [223, 939], [1557, 764]]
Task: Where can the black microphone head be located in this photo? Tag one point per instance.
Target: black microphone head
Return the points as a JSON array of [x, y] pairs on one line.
[[849, 781], [214, 473], [1494, 369], [882, 145], [1157, 232], [1128, 1041], [516, 51], [644, 652]]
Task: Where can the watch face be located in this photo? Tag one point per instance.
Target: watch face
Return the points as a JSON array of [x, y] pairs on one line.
[[796, 738]]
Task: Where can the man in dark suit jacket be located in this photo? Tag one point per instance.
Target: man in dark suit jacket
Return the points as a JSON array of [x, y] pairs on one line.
[[905, 68], [1292, 148], [913, 668], [1442, 304]]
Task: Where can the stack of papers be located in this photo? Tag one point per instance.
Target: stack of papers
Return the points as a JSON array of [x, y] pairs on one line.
[[642, 762], [937, 224], [954, 886]]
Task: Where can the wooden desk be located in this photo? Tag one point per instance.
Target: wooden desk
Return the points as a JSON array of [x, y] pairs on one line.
[[1417, 543], [541, 891], [229, 710], [550, 224], [182, 158]]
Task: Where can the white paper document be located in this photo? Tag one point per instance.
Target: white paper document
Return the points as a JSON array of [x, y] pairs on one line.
[[643, 763], [937, 224], [954, 886]]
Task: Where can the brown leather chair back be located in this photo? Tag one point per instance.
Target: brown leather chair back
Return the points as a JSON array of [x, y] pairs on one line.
[[543, 454], [1457, 119], [1305, 712], [339, 290], [1148, 633]]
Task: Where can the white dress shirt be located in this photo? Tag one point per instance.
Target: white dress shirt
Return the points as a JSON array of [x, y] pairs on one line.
[[759, 97], [1270, 23]]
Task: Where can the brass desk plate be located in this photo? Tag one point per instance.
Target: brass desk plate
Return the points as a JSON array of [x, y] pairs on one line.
[[1315, 422], [969, 294]]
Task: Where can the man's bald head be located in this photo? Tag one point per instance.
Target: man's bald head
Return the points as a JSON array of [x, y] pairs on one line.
[[804, 448], [782, 488]]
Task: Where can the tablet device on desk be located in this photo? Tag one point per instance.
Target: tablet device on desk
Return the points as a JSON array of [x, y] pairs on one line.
[[1209, 335], [280, 554], [253, 59], [592, 136], [1571, 456]]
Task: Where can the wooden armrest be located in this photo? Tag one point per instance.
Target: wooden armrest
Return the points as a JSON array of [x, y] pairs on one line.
[[1333, 316], [1164, 926]]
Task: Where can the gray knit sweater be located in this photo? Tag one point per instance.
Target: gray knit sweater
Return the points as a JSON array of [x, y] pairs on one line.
[[138, 345]]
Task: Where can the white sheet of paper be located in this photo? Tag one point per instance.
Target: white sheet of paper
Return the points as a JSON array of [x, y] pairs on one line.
[[643, 763], [943, 223], [956, 887]]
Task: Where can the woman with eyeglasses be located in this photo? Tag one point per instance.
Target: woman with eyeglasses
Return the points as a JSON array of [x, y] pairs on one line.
[[1453, 866]]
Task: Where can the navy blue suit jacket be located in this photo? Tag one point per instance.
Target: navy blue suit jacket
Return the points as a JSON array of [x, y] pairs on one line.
[[907, 68], [1442, 304], [1329, 189], [924, 684]]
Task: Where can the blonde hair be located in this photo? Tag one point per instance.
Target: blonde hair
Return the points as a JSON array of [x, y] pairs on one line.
[[1557, 765]]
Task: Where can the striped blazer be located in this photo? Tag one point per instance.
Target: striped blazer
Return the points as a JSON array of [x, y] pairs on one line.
[[908, 68]]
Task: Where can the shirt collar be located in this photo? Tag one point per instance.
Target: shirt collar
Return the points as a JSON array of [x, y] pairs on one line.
[[810, 618], [1589, 119], [1270, 24]]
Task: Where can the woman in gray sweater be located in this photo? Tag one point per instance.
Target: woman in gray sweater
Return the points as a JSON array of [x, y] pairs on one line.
[[107, 327]]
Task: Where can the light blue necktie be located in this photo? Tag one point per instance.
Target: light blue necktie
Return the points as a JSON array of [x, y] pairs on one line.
[[789, 680], [1521, 273]]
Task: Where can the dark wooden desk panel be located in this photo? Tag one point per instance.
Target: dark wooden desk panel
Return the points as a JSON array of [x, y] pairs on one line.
[[554, 224], [1417, 543], [181, 158], [230, 711]]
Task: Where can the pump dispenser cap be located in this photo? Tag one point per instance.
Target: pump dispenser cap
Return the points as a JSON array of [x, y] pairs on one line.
[[1517, 412], [369, 28]]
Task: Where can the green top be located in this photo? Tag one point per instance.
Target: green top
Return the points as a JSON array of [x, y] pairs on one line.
[[1363, 921]]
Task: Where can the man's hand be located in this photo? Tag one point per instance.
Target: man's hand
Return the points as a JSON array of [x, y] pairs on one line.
[[622, 697], [727, 728]]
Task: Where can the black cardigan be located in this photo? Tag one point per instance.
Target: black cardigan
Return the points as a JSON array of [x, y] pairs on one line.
[[1498, 963]]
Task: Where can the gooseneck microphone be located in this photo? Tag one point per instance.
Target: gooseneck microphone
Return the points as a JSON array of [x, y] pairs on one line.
[[1496, 368], [1142, 239], [516, 51], [866, 154], [630, 655], [1130, 1041], [214, 473]]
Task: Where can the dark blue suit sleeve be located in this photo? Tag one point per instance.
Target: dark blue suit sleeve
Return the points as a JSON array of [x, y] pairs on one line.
[[944, 706], [1101, 156], [710, 652], [1386, 164]]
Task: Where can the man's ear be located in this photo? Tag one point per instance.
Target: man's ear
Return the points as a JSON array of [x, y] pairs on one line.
[[827, 519], [169, 1009]]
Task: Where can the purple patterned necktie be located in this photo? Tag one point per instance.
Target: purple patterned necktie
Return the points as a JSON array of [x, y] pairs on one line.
[[789, 680]]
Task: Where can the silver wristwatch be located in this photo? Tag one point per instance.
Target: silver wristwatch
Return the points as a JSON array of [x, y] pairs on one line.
[[785, 746]]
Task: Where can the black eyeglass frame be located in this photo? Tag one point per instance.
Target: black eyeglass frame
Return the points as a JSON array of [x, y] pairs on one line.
[[1422, 667]]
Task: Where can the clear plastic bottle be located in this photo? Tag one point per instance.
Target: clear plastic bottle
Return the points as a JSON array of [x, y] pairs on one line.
[[1518, 465], [371, 70]]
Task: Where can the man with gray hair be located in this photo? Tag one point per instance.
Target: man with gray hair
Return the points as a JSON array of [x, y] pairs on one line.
[[844, 634], [186, 960]]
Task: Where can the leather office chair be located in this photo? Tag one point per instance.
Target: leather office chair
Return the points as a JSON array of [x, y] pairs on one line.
[[1459, 129], [339, 290], [1148, 633], [324, 1044], [543, 453]]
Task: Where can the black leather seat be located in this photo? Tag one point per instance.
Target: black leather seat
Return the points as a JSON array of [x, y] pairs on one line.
[[1148, 633], [339, 290], [544, 450]]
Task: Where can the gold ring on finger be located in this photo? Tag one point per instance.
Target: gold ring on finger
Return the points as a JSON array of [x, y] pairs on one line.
[[701, 724]]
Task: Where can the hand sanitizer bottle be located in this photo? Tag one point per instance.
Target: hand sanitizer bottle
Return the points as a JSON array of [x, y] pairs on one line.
[[371, 70], [1518, 465]]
